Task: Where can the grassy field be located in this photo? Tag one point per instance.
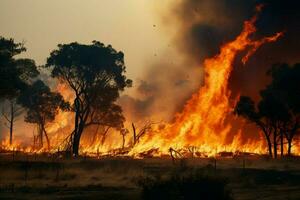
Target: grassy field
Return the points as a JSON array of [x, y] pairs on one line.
[[49, 177]]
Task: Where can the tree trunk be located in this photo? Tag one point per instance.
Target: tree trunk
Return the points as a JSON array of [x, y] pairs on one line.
[[275, 144], [289, 151], [134, 134], [81, 116], [281, 144], [46, 136], [77, 134], [269, 147], [11, 132], [269, 143], [123, 141], [289, 137], [40, 135], [11, 123], [104, 135], [76, 139]]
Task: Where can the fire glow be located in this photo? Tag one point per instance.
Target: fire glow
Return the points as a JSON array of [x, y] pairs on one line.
[[201, 128]]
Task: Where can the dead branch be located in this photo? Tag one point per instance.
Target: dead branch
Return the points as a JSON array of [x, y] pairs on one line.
[[174, 154], [146, 128]]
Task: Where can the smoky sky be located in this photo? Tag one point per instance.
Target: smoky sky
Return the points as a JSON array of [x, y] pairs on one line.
[[204, 25], [161, 93]]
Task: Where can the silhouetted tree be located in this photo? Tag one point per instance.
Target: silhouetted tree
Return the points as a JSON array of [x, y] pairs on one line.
[[278, 112], [42, 106], [272, 108], [11, 113], [246, 108], [15, 75], [285, 86], [96, 75]]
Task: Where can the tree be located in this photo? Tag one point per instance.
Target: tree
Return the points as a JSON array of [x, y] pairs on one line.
[[278, 111], [42, 106], [286, 87], [10, 116], [95, 73], [14, 72], [273, 109], [123, 133], [246, 108], [15, 75]]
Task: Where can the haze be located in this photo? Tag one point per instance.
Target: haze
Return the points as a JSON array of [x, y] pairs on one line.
[[129, 26]]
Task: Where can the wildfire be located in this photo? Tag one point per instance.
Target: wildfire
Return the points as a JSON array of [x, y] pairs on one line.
[[200, 128]]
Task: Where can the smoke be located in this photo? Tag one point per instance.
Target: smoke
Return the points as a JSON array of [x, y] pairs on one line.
[[204, 25], [278, 15], [161, 93]]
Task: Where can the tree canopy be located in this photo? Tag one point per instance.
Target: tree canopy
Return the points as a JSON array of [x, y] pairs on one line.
[[15, 75], [14, 72]]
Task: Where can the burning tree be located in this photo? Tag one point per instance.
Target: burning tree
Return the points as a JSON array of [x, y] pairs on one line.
[[15, 75], [95, 73], [42, 106], [278, 112]]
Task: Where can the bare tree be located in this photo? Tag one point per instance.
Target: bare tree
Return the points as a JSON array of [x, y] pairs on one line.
[[11, 115], [123, 133], [145, 129]]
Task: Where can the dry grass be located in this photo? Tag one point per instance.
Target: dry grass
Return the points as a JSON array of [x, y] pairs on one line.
[[42, 177]]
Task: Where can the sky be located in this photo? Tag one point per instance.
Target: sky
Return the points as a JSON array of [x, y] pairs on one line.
[[131, 26]]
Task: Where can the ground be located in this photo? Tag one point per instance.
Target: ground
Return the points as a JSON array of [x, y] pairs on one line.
[[49, 177]]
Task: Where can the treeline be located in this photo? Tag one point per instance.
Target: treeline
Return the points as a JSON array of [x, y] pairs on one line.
[[95, 73], [277, 114]]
